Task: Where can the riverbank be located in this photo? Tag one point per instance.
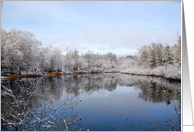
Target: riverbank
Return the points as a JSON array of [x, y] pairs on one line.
[[32, 75], [171, 72], [52, 74]]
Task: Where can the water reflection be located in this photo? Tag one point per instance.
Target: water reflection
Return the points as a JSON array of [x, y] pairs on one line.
[[56, 103], [36, 104]]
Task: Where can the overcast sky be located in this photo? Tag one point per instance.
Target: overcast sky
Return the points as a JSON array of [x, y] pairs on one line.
[[119, 27]]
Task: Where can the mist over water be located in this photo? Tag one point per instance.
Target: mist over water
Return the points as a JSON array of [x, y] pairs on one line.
[[102, 102]]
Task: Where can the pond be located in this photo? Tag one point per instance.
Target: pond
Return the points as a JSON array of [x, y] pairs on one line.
[[94, 102]]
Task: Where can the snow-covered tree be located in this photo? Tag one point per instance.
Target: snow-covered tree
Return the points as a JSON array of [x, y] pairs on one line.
[[159, 55], [3, 40], [168, 56], [44, 58], [178, 55], [152, 55], [152, 61], [20, 51], [56, 60], [12, 55], [143, 55], [88, 58]]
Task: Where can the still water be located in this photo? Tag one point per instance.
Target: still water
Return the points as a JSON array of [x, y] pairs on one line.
[[101, 102]]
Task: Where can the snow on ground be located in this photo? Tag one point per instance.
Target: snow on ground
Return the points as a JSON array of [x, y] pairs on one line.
[[170, 73]]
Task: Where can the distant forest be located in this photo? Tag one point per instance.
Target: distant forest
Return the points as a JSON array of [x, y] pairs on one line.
[[22, 53]]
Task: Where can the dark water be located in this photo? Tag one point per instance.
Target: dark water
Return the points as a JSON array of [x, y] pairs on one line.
[[101, 102]]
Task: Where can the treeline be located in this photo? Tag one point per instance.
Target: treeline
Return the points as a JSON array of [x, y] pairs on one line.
[[158, 55], [155, 60], [22, 53]]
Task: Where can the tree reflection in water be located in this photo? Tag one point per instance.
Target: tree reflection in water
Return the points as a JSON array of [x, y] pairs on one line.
[[49, 103], [33, 104]]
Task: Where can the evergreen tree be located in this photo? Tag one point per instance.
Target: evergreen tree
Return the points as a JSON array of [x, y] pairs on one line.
[[168, 59], [159, 55], [152, 61]]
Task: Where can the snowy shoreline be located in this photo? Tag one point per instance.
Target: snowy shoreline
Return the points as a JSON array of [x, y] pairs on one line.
[[171, 73]]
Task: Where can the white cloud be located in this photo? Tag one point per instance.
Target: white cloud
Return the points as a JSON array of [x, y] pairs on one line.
[[118, 27], [117, 39]]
